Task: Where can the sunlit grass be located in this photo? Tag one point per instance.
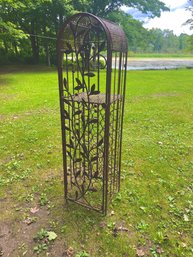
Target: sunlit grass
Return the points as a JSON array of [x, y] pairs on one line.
[[155, 201]]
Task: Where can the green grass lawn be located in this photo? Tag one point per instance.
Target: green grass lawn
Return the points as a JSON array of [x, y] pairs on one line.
[[155, 204]]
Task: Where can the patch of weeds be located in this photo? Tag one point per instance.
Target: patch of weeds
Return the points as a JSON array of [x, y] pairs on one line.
[[14, 175], [53, 224], [43, 200], [41, 234], [117, 198], [29, 220], [40, 248], [9, 168], [111, 225], [142, 226], [63, 229], [23, 249], [156, 252], [43, 238], [132, 196], [82, 254], [160, 237], [50, 206], [35, 188], [29, 197]]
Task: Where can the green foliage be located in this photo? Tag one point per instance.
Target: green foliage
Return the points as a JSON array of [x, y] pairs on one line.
[[22, 21], [43, 199], [43, 238], [40, 248], [82, 254]]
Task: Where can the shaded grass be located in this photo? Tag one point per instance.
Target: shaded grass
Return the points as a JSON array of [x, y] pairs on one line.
[[155, 201]]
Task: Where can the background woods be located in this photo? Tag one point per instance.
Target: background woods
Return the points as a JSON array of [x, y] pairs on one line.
[[22, 21]]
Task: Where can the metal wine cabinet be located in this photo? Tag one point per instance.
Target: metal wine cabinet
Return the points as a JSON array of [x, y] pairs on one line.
[[92, 63]]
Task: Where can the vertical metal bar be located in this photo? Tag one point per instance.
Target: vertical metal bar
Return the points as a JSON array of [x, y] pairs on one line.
[[60, 80], [98, 108], [123, 106], [107, 118], [119, 122], [114, 131], [117, 114]]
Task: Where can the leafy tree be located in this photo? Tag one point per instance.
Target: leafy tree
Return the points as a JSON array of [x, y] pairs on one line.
[[104, 7], [22, 20]]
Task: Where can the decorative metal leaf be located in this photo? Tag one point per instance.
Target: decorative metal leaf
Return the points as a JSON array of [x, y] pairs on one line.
[[95, 158], [69, 154], [78, 160], [68, 145], [66, 114], [68, 51], [89, 74], [95, 93], [67, 128], [71, 143], [82, 118], [104, 106], [100, 142], [85, 103], [96, 174], [85, 174], [92, 189], [78, 81], [79, 87], [85, 149], [77, 112], [95, 120], [67, 101], [92, 88], [77, 132], [77, 173], [83, 154], [65, 83]]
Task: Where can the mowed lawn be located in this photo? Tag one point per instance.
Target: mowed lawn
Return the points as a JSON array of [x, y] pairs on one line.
[[152, 214]]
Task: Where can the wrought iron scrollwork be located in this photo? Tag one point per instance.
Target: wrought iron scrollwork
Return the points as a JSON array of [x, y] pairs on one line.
[[91, 116]]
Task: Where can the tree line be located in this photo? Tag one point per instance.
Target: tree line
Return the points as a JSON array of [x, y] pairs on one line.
[[28, 28]]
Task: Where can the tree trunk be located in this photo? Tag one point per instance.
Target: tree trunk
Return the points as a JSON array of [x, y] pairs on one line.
[[47, 55], [15, 48], [5, 46], [35, 49], [34, 44]]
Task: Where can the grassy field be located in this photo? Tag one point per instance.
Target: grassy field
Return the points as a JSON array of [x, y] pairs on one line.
[[155, 204]]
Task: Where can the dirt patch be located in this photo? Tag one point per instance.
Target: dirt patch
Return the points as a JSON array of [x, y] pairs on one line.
[[8, 242], [17, 234], [3, 82], [159, 95], [15, 117], [155, 96], [16, 237]]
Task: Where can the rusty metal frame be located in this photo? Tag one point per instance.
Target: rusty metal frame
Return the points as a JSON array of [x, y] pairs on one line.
[[91, 113]]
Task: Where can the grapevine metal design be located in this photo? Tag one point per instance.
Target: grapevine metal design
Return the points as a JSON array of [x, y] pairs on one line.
[[91, 116]]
